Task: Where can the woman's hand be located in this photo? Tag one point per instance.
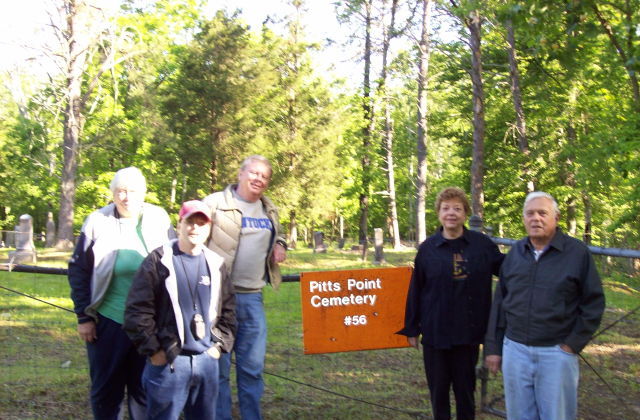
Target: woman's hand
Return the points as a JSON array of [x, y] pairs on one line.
[[87, 331], [413, 342]]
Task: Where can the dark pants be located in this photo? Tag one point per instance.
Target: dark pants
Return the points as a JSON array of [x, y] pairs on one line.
[[115, 365], [454, 367]]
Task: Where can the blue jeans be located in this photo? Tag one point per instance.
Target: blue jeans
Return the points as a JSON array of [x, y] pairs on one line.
[[192, 386], [114, 364], [250, 348], [540, 383]]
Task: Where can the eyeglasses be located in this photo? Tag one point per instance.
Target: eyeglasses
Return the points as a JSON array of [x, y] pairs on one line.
[[126, 192], [260, 175]]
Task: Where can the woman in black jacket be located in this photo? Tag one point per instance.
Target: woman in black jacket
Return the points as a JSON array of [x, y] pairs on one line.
[[449, 302]]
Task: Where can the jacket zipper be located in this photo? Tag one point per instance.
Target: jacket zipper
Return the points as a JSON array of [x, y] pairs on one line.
[[533, 274]]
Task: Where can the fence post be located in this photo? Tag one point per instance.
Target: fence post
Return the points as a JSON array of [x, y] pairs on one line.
[[475, 223]]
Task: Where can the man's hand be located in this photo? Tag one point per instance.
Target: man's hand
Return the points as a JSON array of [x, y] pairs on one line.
[[493, 363], [158, 358], [87, 331], [279, 253], [413, 342]]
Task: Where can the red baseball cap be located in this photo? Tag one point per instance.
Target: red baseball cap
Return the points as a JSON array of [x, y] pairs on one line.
[[191, 207]]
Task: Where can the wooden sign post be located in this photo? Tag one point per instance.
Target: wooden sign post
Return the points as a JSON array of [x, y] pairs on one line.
[[352, 310]]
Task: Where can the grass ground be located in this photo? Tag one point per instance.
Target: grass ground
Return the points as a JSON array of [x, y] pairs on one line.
[[44, 369]]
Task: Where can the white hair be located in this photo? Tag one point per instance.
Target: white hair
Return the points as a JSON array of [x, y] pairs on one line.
[[541, 194], [129, 177], [256, 158]]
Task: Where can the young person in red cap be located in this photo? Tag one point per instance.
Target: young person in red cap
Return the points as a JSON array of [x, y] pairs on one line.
[[180, 313]]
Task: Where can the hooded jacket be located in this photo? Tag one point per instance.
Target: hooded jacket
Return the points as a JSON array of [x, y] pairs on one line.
[[91, 264]]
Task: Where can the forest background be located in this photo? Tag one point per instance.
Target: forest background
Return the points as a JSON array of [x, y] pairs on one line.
[[498, 97]]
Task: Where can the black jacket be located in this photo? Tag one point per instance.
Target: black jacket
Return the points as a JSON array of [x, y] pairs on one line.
[[431, 304], [152, 306], [555, 300]]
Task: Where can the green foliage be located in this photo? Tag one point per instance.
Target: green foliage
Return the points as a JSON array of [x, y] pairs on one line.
[[195, 95], [29, 156], [298, 123], [206, 98]]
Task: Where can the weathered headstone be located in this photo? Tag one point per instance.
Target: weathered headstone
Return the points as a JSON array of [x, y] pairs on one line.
[[378, 242], [318, 242], [11, 238], [25, 249], [51, 231]]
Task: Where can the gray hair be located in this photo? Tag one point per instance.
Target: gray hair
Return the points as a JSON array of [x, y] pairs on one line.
[[129, 177], [256, 158], [541, 194]]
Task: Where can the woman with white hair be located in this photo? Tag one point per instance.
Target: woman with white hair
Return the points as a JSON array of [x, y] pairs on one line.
[[112, 244]]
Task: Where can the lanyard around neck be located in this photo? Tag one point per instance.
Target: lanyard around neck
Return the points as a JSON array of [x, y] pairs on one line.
[[193, 292]]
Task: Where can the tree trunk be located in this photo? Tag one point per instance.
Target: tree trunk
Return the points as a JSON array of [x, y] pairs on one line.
[[81, 33], [367, 105], [423, 70], [174, 185], [570, 180], [184, 188], [77, 43], [624, 55], [474, 24], [215, 138], [389, 33], [586, 201], [293, 230], [516, 94], [294, 67], [393, 209]]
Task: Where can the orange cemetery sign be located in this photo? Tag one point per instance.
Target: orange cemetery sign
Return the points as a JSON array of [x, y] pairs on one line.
[[353, 309]]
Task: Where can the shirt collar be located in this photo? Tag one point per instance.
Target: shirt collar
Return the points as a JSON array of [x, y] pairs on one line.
[[557, 241]]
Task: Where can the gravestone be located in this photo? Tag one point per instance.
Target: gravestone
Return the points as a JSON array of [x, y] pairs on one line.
[[25, 249], [51, 231], [378, 243], [11, 238], [318, 242]]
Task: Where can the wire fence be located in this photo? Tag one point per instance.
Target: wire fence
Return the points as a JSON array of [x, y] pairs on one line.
[[45, 373]]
